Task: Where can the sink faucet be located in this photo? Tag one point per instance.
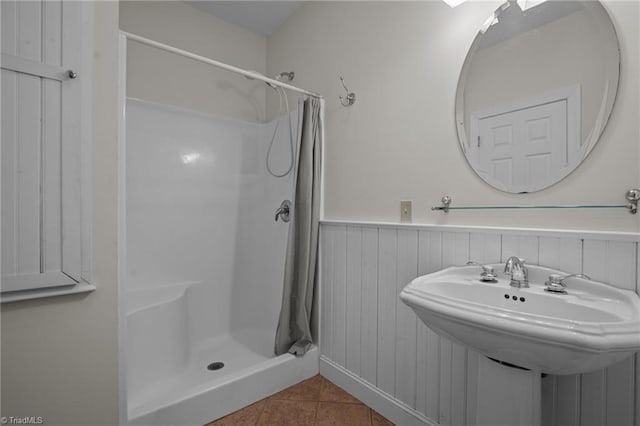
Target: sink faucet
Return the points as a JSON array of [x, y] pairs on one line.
[[518, 272]]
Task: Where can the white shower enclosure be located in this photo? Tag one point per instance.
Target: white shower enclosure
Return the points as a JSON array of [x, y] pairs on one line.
[[202, 263]]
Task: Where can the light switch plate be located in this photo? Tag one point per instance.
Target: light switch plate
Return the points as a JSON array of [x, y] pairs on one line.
[[406, 208]]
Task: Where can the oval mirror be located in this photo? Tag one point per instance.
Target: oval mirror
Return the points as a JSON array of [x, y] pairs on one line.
[[536, 91]]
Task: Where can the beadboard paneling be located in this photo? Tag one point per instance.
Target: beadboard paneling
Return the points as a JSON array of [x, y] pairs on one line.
[[369, 313], [406, 321], [354, 298], [428, 345], [387, 295], [612, 262], [368, 331], [637, 363]]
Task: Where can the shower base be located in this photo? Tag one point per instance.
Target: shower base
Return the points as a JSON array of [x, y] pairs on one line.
[[197, 395], [169, 349]]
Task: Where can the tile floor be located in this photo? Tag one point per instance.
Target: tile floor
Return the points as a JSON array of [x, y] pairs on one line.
[[315, 401]]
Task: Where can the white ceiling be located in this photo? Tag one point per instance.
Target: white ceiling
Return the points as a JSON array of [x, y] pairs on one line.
[[262, 17]]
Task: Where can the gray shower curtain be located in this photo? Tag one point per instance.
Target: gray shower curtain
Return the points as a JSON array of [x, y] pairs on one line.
[[293, 334]]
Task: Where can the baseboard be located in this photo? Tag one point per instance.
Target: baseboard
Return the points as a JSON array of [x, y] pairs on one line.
[[394, 410]]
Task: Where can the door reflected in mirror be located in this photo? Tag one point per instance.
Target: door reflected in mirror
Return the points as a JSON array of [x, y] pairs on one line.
[[536, 91]]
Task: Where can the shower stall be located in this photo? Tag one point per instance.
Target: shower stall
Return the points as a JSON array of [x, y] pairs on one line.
[[202, 258]]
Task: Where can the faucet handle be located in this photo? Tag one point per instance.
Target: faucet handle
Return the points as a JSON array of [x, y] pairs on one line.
[[555, 284], [555, 279], [583, 276], [284, 211], [487, 269], [488, 274], [559, 279]]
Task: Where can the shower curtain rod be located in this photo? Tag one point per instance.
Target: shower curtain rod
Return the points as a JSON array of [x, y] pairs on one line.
[[186, 54]]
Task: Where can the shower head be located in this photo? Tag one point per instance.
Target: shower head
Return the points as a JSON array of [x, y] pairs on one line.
[[267, 83], [288, 75]]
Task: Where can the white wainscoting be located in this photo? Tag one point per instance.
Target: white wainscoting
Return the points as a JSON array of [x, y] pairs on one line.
[[375, 346]]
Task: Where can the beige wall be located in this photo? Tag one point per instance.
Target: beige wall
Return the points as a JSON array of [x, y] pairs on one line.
[[399, 140], [167, 78], [59, 355]]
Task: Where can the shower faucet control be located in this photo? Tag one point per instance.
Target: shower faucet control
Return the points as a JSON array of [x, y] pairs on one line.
[[284, 211]]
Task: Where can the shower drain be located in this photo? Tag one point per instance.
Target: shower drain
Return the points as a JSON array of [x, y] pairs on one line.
[[215, 366]]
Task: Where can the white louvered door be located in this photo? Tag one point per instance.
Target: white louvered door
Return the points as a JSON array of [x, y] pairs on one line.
[[41, 238]]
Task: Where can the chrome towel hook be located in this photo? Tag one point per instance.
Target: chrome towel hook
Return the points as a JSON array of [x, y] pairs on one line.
[[350, 99]]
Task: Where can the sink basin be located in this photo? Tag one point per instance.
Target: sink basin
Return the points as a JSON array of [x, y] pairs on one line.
[[593, 326]]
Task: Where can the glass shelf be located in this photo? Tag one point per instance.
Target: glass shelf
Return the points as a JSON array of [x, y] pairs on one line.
[[632, 196]]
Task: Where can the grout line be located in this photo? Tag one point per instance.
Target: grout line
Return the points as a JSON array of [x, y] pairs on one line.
[[315, 419], [264, 406], [345, 403], [322, 387]]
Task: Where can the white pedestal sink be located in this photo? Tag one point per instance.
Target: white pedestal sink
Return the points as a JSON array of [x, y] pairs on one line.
[[591, 327]]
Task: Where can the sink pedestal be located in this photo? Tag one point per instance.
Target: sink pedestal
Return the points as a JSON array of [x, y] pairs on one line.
[[504, 396]]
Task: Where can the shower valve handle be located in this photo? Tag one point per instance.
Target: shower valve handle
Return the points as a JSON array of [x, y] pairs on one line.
[[284, 211]]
